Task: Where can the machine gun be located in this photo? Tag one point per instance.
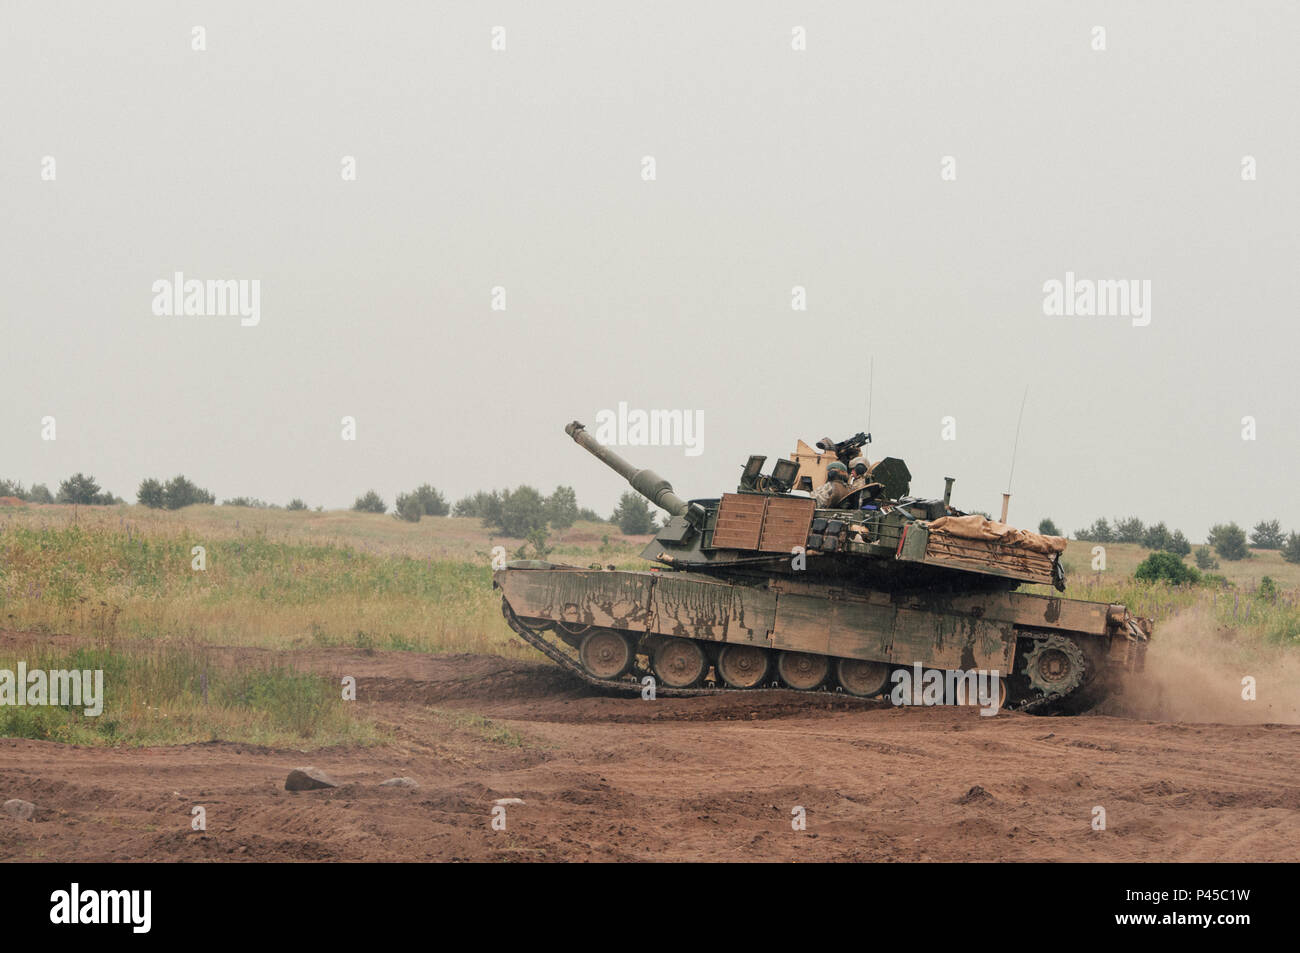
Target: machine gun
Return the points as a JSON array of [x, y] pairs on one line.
[[845, 450]]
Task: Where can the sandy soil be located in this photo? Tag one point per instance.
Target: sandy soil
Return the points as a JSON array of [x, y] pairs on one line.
[[613, 778]]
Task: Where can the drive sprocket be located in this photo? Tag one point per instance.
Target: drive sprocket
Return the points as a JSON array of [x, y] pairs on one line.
[[1055, 666]]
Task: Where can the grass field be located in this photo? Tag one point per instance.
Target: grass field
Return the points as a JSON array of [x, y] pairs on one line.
[[122, 581], [272, 578]]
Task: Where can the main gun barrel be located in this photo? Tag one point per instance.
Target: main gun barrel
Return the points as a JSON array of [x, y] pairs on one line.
[[646, 482]]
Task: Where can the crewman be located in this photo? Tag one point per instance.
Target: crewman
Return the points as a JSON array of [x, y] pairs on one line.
[[836, 485], [859, 480]]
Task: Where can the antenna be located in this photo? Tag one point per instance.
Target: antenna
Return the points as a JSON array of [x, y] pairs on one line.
[[1006, 497], [1016, 445], [871, 380]]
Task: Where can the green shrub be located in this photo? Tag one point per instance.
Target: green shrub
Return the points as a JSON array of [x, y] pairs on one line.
[[1166, 566], [371, 502]]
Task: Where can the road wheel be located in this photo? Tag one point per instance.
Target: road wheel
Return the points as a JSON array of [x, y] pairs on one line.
[[679, 663], [862, 679], [743, 666], [606, 654], [802, 670]]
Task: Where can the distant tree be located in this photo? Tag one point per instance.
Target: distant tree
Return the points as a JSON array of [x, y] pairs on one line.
[[13, 488], [1098, 532], [1267, 534], [1156, 536], [296, 504], [371, 502], [1229, 541], [179, 492], [476, 506], [1178, 544], [590, 515], [633, 515], [562, 507], [1205, 559], [408, 508], [517, 513], [40, 493], [79, 488], [248, 501], [1128, 530], [151, 494], [1048, 528], [1168, 567], [431, 501], [1291, 551]]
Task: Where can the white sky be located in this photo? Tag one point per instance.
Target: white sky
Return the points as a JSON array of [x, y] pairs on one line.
[[775, 168]]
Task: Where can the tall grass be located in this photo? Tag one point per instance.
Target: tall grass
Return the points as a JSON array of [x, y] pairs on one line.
[[1249, 611], [269, 580], [172, 694]]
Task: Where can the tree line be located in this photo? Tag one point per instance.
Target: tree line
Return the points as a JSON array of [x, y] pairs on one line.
[[1228, 540], [77, 488], [519, 513]]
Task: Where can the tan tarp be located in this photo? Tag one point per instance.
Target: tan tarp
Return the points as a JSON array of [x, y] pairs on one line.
[[977, 527]]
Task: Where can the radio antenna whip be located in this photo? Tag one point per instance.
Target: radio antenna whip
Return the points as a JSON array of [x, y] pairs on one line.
[[1015, 446], [871, 382]]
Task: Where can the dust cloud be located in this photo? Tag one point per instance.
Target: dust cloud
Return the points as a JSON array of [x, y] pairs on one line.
[[1194, 671]]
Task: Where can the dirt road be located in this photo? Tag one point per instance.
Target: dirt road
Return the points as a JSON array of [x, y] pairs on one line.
[[717, 778]]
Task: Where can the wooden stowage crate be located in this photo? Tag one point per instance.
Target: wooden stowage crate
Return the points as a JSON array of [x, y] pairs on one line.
[[765, 524]]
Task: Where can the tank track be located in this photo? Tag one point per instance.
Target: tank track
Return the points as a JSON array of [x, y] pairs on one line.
[[631, 683]]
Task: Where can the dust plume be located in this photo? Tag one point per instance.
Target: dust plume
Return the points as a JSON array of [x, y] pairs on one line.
[[1194, 671]]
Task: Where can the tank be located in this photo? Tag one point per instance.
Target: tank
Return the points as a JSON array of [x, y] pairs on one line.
[[816, 584]]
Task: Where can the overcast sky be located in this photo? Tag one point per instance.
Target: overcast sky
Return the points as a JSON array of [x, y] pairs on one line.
[[774, 167]]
